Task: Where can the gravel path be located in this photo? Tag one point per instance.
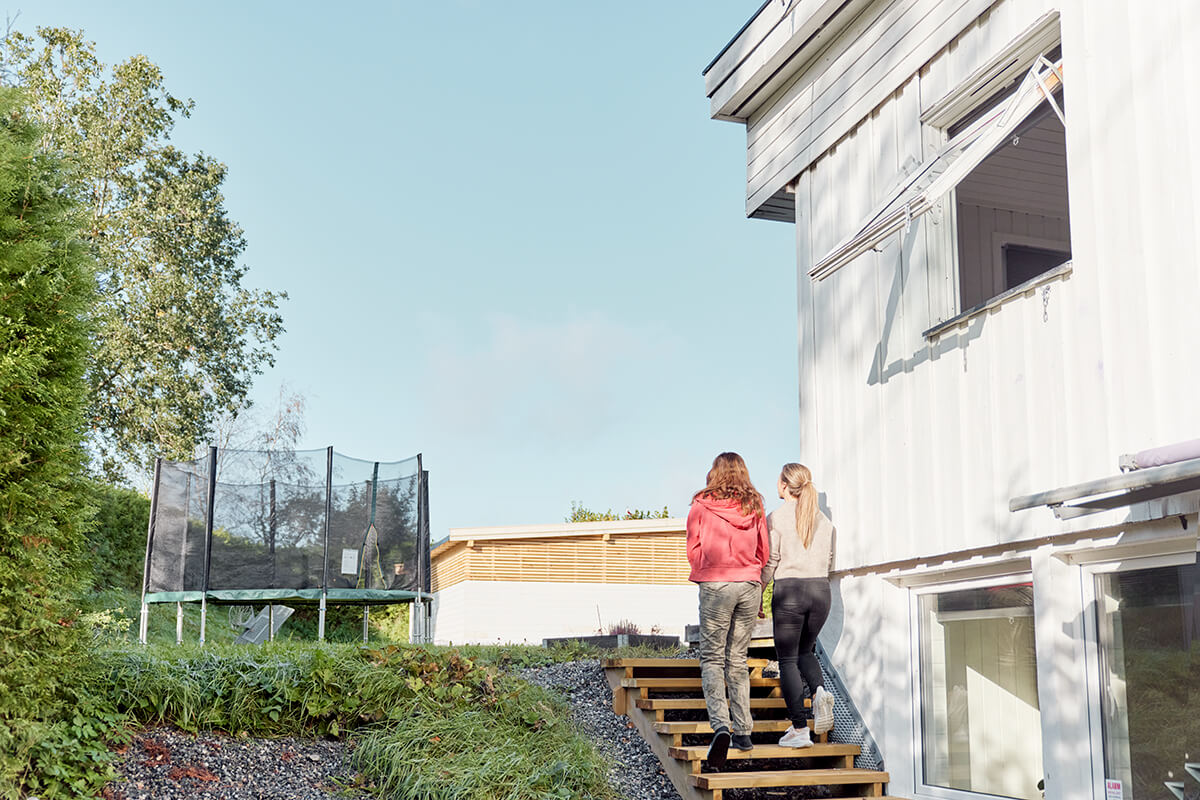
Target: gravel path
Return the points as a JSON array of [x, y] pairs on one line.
[[166, 764]]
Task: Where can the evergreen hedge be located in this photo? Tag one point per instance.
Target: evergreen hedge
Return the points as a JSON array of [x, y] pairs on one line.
[[46, 287]]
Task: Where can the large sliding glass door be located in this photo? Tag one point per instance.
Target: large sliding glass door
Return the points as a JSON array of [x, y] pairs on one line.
[[1148, 625]]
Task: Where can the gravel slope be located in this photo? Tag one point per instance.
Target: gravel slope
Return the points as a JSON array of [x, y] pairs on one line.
[[636, 772], [166, 764]]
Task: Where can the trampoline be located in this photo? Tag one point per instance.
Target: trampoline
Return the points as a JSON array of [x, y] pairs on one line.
[[240, 527]]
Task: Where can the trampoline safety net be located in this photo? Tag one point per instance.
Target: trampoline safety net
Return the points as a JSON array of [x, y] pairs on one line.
[[287, 525]]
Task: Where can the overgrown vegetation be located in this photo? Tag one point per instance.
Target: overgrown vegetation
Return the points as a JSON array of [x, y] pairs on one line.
[[579, 513], [51, 725], [428, 722]]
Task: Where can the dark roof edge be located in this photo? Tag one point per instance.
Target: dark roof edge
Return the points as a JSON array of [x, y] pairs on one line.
[[729, 44]]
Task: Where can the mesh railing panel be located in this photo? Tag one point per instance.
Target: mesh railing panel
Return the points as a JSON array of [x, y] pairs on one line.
[[276, 526], [848, 724]]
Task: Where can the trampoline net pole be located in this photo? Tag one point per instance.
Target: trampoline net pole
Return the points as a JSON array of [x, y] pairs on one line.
[[144, 619], [325, 548], [208, 535]]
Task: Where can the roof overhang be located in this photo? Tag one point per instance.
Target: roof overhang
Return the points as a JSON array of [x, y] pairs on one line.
[[569, 530], [1105, 494], [781, 37]]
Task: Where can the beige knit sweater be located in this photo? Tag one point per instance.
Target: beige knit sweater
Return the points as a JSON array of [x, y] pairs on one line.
[[789, 557]]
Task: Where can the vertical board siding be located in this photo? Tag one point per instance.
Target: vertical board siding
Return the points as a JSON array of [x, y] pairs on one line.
[[920, 444]]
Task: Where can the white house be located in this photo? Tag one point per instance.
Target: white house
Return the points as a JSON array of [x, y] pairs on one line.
[[997, 236], [533, 582]]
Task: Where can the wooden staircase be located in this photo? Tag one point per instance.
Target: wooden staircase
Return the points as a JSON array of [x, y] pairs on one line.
[[662, 699]]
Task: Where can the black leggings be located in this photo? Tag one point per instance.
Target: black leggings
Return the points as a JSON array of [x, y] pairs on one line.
[[799, 607]]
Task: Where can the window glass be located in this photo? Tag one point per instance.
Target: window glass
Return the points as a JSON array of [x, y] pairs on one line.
[[1149, 627], [1023, 263], [981, 724]]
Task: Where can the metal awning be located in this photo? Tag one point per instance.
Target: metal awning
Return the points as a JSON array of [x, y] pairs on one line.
[[1115, 492]]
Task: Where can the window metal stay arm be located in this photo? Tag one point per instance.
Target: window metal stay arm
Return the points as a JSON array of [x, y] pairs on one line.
[[1040, 77]]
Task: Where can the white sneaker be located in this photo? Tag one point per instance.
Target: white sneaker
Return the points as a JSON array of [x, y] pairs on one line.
[[822, 711], [796, 738]]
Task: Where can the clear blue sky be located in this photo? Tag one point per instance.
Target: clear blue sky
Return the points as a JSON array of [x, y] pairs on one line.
[[512, 237]]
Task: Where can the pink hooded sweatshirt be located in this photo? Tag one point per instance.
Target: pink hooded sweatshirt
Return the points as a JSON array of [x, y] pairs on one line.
[[723, 544]]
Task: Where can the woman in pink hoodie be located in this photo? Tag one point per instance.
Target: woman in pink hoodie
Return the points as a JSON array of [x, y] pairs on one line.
[[727, 547]]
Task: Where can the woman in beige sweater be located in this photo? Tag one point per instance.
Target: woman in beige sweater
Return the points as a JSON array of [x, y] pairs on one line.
[[801, 555]]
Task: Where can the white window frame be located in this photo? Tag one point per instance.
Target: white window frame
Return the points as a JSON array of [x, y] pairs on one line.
[[1091, 642], [936, 178], [923, 788]]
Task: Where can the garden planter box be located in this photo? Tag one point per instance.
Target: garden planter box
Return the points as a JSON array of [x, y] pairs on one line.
[[763, 630], [617, 640]]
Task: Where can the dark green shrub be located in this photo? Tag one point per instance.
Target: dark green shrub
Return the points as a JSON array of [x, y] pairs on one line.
[[48, 283], [116, 542]]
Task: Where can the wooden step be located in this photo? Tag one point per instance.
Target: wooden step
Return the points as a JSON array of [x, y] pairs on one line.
[[796, 777], [702, 726], [693, 663], [684, 682], [818, 750], [697, 703]]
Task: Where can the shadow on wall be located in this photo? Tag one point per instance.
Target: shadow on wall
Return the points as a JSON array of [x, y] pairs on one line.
[[831, 634]]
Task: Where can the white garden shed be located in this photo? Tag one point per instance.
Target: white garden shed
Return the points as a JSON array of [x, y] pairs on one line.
[[528, 583]]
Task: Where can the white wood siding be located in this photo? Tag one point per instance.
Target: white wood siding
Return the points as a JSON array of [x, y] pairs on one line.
[[918, 445], [860, 69]]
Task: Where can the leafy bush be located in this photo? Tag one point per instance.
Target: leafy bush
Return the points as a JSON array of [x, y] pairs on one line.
[[117, 539], [581, 514]]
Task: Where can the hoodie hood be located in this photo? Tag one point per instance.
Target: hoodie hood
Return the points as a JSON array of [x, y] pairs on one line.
[[723, 543], [730, 511]]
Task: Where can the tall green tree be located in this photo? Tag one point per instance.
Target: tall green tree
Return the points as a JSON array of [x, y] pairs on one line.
[[46, 291], [179, 338]]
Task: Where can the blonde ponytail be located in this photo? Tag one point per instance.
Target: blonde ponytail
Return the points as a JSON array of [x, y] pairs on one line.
[[797, 479]]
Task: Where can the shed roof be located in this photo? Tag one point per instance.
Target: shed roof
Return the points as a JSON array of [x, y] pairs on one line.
[[567, 529]]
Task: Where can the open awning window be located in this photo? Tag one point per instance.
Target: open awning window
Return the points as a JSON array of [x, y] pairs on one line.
[[918, 192]]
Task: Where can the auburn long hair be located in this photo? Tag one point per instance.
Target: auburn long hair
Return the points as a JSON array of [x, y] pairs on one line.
[[797, 480], [730, 480]]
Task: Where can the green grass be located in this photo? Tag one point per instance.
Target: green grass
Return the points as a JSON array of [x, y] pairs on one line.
[[113, 616]]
